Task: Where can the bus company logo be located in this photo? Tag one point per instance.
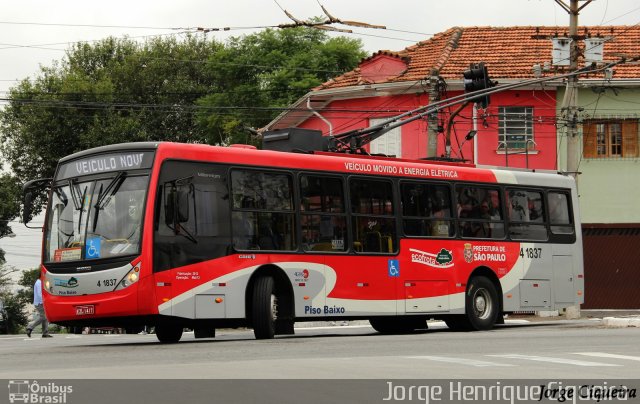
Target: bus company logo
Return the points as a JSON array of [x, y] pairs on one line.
[[26, 391], [440, 260], [468, 253], [301, 276], [66, 283]]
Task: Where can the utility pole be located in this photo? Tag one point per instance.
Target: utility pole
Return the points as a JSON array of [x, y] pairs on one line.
[[571, 96], [570, 101], [570, 107], [432, 119]]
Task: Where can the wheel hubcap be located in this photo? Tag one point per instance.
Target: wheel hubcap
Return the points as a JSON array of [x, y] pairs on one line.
[[482, 303]]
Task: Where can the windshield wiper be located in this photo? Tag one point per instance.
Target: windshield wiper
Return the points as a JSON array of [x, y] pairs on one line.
[[105, 197], [75, 195], [78, 201]]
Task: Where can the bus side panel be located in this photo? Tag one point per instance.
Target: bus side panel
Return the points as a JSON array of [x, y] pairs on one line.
[[364, 285]]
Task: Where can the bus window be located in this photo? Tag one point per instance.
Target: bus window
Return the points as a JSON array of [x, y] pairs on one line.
[[526, 215], [324, 223], [192, 214], [479, 212], [262, 217], [426, 210], [559, 213], [372, 210]]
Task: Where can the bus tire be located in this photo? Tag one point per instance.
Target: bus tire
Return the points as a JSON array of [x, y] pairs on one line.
[[481, 304], [264, 308], [168, 333]]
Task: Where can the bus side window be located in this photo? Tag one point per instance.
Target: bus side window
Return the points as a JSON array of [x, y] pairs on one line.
[[263, 215], [374, 228], [526, 215], [323, 215], [426, 209], [559, 213], [479, 212], [192, 219]]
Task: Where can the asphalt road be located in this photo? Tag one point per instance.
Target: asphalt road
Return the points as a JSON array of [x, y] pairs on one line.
[[560, 349]]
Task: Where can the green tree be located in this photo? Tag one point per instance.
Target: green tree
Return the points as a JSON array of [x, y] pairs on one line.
[[113, 91], [9, 205], [255, 75], [190, 90], [16, 303]]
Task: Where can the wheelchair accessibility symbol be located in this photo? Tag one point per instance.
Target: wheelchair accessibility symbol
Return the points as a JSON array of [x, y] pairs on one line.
[[92, 249], [394, 268]]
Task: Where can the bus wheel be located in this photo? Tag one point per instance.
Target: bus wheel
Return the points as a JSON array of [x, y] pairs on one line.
[[264, 308], [481, 304], [168, 334]]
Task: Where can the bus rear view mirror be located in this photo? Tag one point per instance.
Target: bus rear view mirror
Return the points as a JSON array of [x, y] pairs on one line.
[[183, 205], [176, 208]]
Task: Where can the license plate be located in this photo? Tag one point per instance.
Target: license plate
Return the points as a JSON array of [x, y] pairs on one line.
[[85, 310]]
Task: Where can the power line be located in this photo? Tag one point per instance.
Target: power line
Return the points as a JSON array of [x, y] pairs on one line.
[[48, 24]]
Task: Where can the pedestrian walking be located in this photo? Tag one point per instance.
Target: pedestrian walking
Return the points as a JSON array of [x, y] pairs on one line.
[[39, 316]]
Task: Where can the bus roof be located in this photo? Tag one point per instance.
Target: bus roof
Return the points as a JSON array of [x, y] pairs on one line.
[[338, 163]]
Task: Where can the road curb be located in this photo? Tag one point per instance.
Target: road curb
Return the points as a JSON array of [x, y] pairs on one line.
[[616, 322]]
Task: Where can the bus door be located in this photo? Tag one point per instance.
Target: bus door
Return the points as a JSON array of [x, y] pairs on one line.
[[568, 280], [526, 214], [425, 276], [370, 280], [427, 254]]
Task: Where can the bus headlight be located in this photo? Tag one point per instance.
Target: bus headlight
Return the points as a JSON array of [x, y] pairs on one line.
[[131, 277]]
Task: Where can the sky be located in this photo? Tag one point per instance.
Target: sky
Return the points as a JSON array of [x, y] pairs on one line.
[[35, 33]]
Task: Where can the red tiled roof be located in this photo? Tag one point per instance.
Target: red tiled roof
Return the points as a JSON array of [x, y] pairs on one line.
[[508, 52]]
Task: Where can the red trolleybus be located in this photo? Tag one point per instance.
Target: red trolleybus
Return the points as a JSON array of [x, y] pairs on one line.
[[194, 236]]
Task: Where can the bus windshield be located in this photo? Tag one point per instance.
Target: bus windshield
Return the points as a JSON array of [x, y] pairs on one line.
[[95, 219]]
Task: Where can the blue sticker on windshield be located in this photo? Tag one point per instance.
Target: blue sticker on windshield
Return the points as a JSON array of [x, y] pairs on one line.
[[92, 249]]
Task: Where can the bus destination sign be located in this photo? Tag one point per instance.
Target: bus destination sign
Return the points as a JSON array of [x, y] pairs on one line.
[[105, 163]]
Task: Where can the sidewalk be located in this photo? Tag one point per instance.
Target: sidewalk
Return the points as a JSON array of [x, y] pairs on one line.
[[615, 318]]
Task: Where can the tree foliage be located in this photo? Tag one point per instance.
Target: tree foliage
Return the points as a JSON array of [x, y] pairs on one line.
[[16, 302], [113, 91], [9, 206], [189, 90], [260, 74]]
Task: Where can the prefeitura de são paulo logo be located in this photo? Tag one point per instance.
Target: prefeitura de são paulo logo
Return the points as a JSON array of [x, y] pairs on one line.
[[468, 253], [25, 391]]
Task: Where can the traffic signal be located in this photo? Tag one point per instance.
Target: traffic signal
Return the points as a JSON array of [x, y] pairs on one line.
[[475, 79]]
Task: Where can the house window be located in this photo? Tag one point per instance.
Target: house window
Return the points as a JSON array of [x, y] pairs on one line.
[[610, 138], [515, 127], [389, 144]]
